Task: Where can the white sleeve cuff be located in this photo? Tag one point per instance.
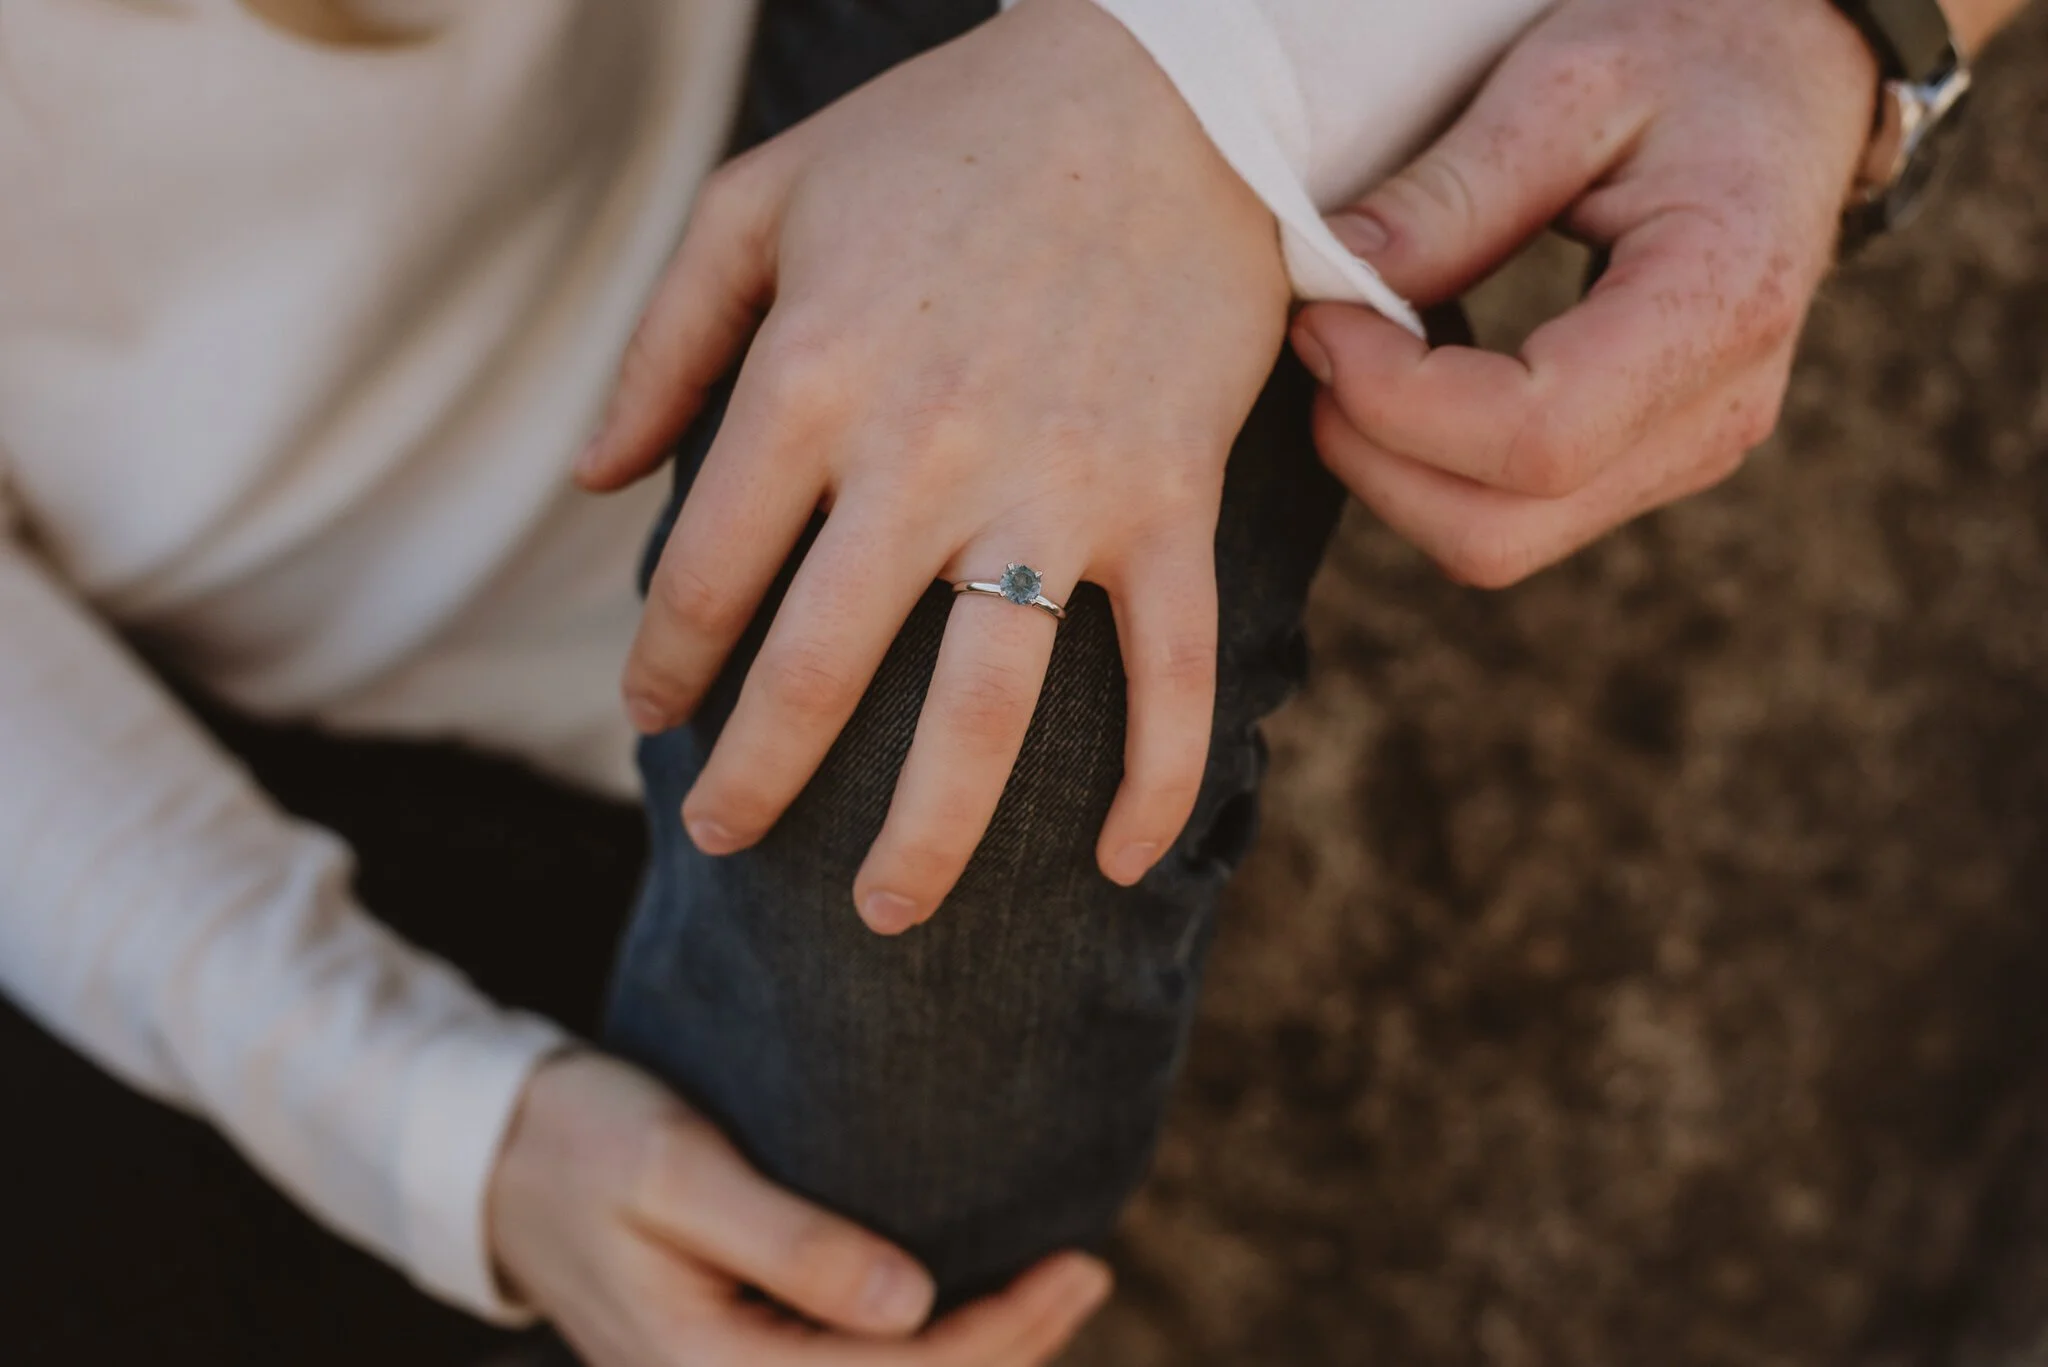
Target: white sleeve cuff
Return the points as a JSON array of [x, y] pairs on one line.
[[1235, 74], [460, 1101]]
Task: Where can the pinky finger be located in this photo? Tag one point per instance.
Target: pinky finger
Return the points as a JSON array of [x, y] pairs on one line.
[[1166, 624]]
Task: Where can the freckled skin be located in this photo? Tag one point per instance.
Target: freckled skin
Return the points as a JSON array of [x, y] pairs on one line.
[[1710, 145]]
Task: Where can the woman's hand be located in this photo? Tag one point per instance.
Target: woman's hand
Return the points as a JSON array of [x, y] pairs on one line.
[[1017, 308], [1711, 144], [633, 1225]]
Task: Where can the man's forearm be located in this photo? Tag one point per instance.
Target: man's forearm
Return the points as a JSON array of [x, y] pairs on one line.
[[1976, 21]]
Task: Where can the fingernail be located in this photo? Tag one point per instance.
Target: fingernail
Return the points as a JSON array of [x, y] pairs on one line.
[[586, 459], [888, 913], [1361, 231], [710, 837], [646, 718], [1089, 1286], [1312, 354], [896, 1295], [1133, 862]]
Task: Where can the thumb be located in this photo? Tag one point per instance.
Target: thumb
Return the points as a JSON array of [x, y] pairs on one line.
[[1547, 125], [707, 305]]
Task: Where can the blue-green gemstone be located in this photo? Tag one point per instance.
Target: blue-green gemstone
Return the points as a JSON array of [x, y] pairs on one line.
[[1020, 584]]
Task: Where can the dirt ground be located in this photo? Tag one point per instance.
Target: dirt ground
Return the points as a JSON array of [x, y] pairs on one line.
[[1649, 965]]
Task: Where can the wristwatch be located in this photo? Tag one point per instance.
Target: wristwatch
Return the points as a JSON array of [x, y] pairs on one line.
[[1925, 84]]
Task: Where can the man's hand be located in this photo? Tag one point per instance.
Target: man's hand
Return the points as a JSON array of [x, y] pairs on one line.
[[633, 1225], [1711, 144]]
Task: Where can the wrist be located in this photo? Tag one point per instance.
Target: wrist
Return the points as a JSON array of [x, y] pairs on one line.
[[1118, 110], [1975, 22], [530, 1155], [1925, 81]]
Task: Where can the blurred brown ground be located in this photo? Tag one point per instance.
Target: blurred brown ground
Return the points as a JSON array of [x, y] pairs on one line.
[[1649, 965]]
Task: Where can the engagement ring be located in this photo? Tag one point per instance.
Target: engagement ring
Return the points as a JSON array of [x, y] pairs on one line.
[[1019, 585]]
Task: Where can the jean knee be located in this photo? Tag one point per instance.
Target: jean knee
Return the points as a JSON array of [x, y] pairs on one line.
[[986, 1087]]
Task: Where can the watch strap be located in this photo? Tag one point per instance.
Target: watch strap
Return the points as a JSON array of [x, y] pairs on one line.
[[1911, 37]]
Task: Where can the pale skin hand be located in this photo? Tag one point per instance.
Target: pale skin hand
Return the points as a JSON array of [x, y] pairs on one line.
[[1712, 144], [633, 1225], [1016, 309]]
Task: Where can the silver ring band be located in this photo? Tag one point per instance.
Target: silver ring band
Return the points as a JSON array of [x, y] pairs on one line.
[[1018, 585]]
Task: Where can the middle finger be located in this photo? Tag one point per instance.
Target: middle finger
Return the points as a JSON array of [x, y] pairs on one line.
[[983, 691], [847, 602]]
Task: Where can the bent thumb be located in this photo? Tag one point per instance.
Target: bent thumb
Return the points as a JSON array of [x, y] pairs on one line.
[[1525, 149]]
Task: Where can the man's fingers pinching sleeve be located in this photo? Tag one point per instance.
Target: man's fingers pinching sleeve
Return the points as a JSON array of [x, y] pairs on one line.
[[1681, 310], [1549, 122], [1491, 538], [703, 311], [697, 1193]]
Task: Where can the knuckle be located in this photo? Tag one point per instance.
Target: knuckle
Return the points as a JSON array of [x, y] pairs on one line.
[[654, 680], [1755, 424], [808, 683], [1185, 663], [927, 863], [742, 806], [724, 188], [993, 705], [1544, 462], [1175, 791], [1442, 184], [801, 369], [1748, 426], [1067, 453], [686, 597], [1181, 492], [644, 367], [1720, 465], [827, 1263], [932, 460], [1773, 308], [666, 1172], [729, 197], [1485, 564], [1337, 439], [943, 407]]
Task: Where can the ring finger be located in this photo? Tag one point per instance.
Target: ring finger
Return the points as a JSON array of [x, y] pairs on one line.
[[983, 691]]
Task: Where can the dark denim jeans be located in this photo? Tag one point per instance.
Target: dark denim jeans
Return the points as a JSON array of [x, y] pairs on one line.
[[988, 1087]]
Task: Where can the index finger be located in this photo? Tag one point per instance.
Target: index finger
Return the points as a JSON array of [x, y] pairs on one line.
[[1680, 309]]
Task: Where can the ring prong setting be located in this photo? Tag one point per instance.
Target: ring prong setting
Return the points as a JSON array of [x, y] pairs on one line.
[[1020, 585]]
